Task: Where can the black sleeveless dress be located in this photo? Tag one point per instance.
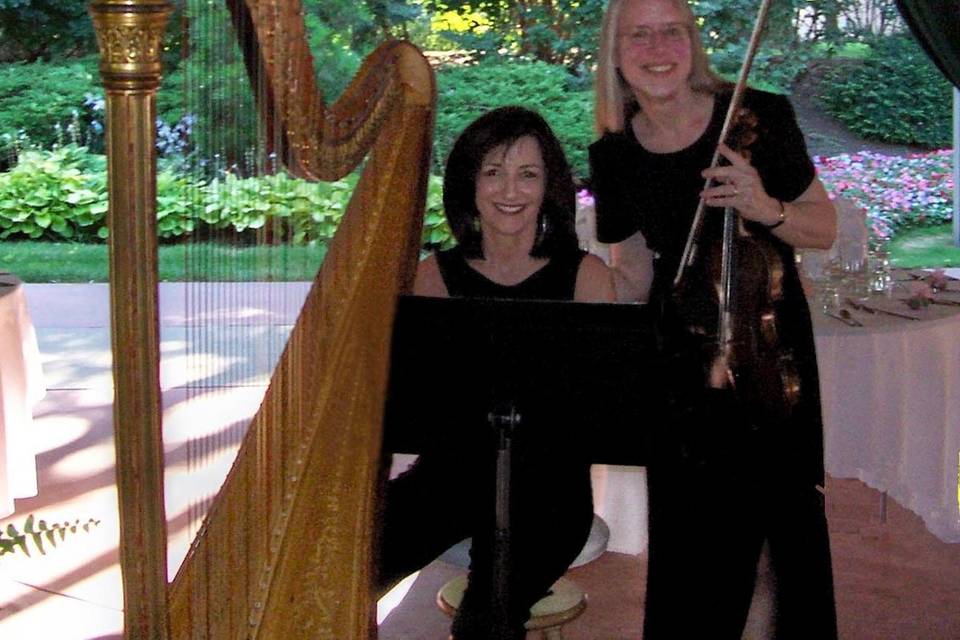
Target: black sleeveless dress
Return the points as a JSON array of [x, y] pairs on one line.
[[556, 280], [447, 497]]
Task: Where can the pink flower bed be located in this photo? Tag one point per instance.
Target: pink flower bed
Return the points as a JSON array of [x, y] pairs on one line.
[[896, 191]]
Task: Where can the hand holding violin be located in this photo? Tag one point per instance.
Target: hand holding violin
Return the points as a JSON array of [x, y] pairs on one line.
[[738, 185]]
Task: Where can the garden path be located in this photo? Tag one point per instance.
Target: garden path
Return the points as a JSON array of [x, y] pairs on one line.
[[825, 135]]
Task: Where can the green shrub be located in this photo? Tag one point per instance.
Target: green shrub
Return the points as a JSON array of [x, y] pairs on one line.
[[467, 92], [37, 98], [176, 202], [59, 194], [436, 231], [303, 212], [895, 95], [306, 212]]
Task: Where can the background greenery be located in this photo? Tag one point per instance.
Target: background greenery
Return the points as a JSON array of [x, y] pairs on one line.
[[465, 92], [893, 95], [540, 53], [41, 261]]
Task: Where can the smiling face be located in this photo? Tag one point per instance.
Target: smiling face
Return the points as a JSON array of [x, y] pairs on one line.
[[510, 186], [654, 51]]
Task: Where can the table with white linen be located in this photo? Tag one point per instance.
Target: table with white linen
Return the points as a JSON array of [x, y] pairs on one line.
[[21, 387], [891, 408], [891, 403]]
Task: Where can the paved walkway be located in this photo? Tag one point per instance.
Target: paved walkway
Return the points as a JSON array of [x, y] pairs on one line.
[[219, 344]]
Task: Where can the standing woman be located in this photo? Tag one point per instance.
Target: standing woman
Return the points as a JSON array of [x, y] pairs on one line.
[[659, 112], [509, 198]]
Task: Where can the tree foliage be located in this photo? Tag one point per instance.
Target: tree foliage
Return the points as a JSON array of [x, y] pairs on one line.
[[795, 32], [39, 101], [554, 31], [363, 24], [42, 29], [466, 92]]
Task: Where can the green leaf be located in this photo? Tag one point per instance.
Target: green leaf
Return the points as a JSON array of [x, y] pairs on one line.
[[35, 201], [38, 542]]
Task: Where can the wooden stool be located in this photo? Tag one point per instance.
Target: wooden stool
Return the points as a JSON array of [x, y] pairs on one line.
[[548, 615]]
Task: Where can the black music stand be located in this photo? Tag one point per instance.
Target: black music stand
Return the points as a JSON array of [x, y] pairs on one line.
[[528, 370]]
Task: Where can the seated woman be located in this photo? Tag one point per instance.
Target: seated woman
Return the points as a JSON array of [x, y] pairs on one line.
[[510, 201]]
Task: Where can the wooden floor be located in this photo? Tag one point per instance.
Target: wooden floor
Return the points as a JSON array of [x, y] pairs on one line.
[[894, 581]]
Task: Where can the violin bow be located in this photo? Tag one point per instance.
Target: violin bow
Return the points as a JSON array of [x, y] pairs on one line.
[[690, 249]]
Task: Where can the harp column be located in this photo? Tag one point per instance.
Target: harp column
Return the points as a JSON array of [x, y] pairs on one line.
[[129, 33]]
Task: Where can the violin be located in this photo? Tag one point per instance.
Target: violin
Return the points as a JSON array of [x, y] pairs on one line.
[[741, 273]]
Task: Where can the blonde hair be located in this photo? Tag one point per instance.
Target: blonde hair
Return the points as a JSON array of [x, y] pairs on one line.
[[613, 97]]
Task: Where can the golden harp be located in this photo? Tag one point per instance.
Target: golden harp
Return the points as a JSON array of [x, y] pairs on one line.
[[310, 457]]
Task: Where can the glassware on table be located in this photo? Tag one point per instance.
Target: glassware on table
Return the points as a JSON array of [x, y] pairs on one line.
[[813, 263], [880, 273], [850, 246], [830, 286], [855, 279]]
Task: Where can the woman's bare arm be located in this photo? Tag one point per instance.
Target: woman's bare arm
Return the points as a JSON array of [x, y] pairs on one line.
[[594, 281], [428, 281]]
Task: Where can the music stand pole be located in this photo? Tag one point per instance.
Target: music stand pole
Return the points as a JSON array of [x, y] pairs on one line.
[[504, 423]]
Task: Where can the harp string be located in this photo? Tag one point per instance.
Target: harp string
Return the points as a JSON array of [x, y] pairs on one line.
[[226, 346], [288, 539], [209, 352]]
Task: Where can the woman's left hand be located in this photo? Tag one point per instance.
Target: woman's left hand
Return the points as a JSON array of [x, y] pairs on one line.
[[738, 185]]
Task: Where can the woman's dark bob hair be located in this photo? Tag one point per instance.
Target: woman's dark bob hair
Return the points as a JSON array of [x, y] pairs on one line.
[[556, 231]]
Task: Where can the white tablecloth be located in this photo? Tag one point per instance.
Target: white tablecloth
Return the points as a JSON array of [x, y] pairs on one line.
[[891, 405], [891, 408], [620, 498], [21, 387]]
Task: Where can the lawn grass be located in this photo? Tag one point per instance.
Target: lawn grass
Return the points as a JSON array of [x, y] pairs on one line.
[[71, 262], [925, 247]]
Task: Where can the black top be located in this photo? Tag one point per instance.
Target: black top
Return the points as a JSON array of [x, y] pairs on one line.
[[657, 194], [672, 181], [556, 280]]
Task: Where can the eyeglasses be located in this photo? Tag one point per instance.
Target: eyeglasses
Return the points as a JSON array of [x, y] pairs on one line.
[[644, 37]]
